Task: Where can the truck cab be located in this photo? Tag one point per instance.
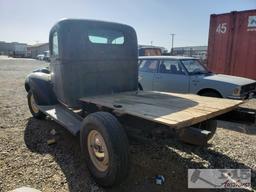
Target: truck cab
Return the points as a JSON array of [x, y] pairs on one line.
[[91, 58]]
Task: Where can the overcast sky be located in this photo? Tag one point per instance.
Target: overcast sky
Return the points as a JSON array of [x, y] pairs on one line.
[[29, 21]]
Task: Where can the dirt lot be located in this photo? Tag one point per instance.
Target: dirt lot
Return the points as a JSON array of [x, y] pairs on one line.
[[27, 160]]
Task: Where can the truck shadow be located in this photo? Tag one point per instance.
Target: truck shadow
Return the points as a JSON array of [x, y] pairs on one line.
[[147, 160]]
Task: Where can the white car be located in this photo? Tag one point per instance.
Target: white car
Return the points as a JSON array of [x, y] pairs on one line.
[[187, 75], [40, 57]]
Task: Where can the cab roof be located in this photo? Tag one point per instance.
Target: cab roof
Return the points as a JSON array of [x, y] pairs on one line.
[[66, 21], [165, 57]]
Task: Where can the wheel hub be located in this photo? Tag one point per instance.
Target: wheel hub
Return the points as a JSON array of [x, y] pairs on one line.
[[98, 150]]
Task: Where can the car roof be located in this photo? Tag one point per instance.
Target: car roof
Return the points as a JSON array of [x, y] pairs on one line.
[[165, 57]]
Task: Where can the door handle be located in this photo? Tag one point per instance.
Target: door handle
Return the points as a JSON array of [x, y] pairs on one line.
[[195, 81]]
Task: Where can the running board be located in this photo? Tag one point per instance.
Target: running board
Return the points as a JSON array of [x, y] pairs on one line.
[[67, 118]]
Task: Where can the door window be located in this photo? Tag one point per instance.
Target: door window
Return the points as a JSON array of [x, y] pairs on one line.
[[55, 46], [171, 67], [148, 65]]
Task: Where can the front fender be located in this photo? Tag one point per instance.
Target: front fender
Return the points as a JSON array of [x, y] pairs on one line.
[[40, 84]]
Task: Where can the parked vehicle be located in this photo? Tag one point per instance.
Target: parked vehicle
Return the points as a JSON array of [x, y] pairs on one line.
[[91, 87], [149, 51], [47, 56], [40, 57], [187, 75], [18, 50]]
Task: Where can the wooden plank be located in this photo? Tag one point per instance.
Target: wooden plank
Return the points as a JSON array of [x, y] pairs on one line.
[[175, 110], [166, 116], [173, 102], [206, 101], [162, 98]]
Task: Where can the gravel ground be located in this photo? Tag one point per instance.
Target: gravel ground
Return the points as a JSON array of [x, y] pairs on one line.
[[27, 160]]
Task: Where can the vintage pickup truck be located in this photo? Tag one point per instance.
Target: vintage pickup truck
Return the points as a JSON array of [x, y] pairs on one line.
[[91, 89]]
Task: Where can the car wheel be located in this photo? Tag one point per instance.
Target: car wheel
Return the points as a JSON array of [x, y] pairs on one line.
[[104, 145], [33, 106], [211, 94]]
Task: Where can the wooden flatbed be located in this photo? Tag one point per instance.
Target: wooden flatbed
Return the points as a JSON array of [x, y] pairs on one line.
[[172, 109]]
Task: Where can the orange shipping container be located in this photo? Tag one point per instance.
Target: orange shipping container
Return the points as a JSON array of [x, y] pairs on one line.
[[232, 44]]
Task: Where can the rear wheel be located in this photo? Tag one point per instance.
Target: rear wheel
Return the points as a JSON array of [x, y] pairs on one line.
[[33, 106], [104, 145]]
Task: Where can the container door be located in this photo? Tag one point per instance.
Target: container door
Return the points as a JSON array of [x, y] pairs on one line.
[[244, 45], [171, 77], [220, 43]]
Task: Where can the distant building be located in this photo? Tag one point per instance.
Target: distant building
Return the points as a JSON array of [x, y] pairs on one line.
[[189, 51], [40, 48], [199, 52], [14, 49], [4, 48]]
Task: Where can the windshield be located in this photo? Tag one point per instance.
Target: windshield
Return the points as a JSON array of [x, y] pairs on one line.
[[194, 67]]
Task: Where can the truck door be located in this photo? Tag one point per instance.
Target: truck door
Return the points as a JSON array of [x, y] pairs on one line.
[[147, 69], [54, 50], [171, 77], [55, 62]]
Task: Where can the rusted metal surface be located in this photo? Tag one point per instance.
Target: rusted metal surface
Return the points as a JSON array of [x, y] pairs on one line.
[[232, 44]]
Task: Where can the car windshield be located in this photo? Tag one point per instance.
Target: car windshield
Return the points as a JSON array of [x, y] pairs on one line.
[[194, 67]]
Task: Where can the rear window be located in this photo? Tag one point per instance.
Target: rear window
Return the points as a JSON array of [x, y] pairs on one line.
[[106, 36], [149, 66]]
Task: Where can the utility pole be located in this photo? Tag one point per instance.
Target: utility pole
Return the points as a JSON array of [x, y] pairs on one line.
[[172, 34]]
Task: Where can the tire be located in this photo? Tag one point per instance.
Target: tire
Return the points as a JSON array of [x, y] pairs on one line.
[[33, 107], [211, 94], [193, 135], [115, 142]]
